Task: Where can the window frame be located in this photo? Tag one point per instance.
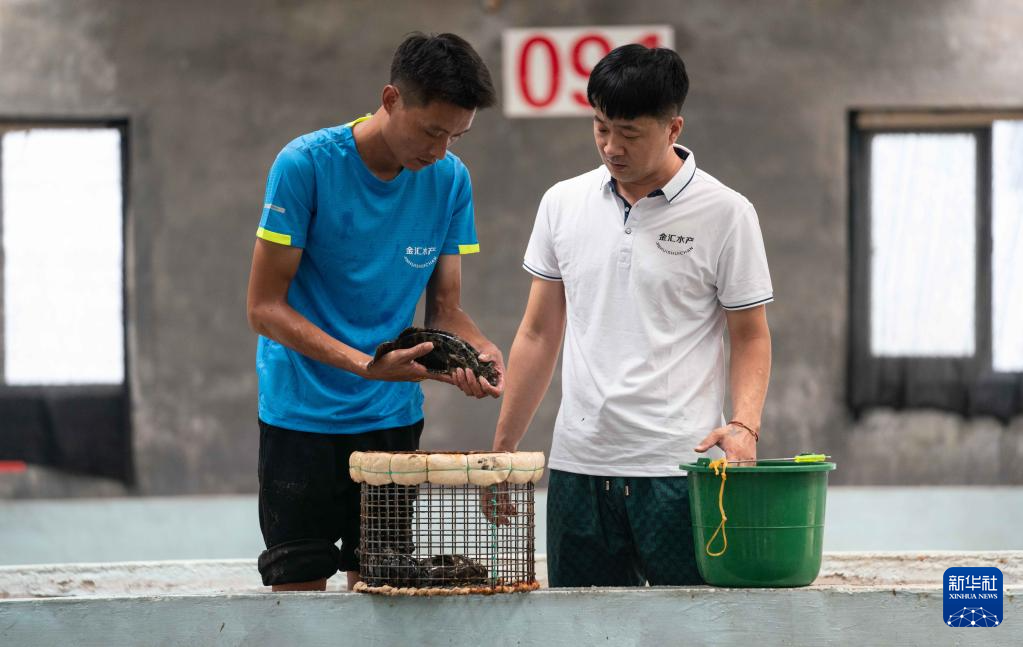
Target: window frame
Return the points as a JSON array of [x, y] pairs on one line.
[[42, 424], [964, 384]]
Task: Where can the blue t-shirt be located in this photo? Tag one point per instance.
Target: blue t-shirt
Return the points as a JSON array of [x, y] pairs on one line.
[[369, 248]]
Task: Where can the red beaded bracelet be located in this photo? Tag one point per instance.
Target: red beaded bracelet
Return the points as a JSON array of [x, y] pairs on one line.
[[756, 436]]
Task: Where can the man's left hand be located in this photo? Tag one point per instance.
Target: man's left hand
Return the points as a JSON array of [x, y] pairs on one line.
[[478, 387], [737, 443]]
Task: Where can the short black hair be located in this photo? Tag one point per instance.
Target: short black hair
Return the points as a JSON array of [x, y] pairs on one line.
[[441, 67], [635, 81]]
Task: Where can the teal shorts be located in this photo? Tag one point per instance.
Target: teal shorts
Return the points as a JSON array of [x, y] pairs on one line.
[[619, 531]]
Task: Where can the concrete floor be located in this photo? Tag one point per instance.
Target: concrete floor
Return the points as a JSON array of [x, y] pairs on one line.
[[868, 608], [845, 570]]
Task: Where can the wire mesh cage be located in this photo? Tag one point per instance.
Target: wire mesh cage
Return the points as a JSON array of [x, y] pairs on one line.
[[465, 526]]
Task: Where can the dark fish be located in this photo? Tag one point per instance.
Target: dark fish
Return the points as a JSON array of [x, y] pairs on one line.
[[451, 570], [449, 352]]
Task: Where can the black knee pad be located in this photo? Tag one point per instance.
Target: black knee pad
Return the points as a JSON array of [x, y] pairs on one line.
[[299, 560]]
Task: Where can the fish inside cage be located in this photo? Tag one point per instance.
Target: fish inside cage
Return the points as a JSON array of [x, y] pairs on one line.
[[442, 523]]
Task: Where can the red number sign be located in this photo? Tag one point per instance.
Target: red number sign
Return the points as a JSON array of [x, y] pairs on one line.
[[546, 70]]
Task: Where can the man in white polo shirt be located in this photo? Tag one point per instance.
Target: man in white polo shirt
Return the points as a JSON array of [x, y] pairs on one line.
[[641, 265]]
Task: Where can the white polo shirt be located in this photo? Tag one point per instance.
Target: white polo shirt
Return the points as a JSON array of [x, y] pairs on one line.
[[643, 373]]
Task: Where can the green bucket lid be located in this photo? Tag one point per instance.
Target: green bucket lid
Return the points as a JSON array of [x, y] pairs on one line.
[[702, 466]]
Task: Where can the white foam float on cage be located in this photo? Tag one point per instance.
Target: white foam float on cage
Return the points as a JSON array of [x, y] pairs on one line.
[[475, 468]]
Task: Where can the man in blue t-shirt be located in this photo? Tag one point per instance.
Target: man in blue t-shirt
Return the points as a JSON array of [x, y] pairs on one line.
[[358, 221]]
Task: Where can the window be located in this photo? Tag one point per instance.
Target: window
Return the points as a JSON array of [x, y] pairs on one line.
[[936, 317], [63, 392]]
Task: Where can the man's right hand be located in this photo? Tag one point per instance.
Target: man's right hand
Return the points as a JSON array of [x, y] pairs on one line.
[[496, 505], [400, 366]]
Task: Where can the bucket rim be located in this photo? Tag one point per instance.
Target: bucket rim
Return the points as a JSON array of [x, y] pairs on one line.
[[702, 466]]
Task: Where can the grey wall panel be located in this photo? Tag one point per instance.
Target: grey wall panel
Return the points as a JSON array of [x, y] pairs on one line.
[[214, 90]]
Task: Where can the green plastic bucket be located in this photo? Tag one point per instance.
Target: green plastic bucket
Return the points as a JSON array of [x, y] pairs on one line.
[[774, 527]]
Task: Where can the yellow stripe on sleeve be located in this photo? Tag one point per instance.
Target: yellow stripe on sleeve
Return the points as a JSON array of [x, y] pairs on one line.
[[469, 249], [274, 237]]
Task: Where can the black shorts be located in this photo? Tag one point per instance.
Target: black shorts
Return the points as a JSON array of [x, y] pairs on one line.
[[308, 501], [619, 531]]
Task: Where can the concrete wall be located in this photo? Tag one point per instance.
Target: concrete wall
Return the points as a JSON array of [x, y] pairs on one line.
[[213, 90], [650, 616]]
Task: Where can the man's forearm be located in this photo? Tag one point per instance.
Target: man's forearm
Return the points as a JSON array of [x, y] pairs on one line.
[[530, 369], [457, 321], [750, 369], [287, 326]]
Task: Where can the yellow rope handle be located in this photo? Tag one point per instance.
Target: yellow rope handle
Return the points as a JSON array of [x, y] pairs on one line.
[[722, 464]]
